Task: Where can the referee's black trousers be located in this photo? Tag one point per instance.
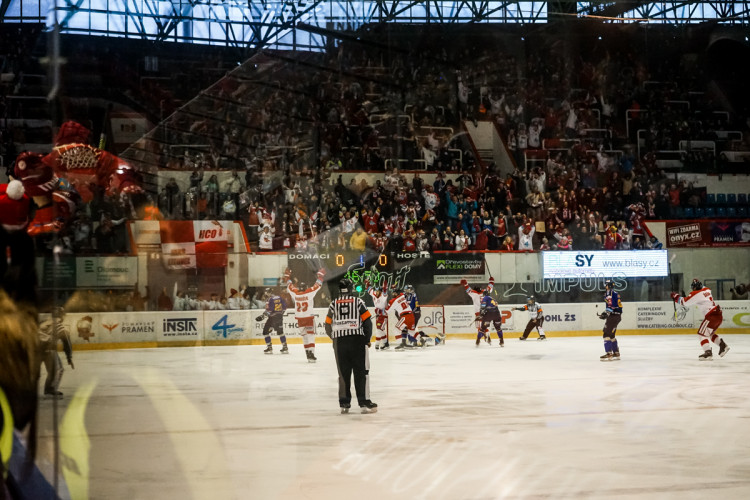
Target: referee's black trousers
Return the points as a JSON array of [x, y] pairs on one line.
[[351, 356]]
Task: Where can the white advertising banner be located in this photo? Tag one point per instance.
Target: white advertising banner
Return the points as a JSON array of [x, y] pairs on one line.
[[605, 264], [107, 272], [573, 319], [228, 325], [736, 315], [114, 327], [180, 326], [657, 315]]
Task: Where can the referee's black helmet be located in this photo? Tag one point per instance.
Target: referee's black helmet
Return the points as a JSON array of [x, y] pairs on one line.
[[345, 285]]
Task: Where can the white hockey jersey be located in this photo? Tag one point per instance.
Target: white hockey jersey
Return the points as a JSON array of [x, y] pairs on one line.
[[701, 299], [379, 300], [476, 297], [303, 299], [399, 304]]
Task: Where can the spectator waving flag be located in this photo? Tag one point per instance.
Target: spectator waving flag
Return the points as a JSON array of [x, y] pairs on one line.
[[194, 244]]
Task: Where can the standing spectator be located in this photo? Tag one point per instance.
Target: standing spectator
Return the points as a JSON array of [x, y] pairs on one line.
[[164, 302], [82, 232], [358, 240], [526, 236], [266, 239], [349, 325]]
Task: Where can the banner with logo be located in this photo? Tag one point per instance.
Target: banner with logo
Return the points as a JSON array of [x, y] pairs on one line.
[[454, 267], [107, 272], [180, 326], [194, 244], [707, 233], [229, 325]]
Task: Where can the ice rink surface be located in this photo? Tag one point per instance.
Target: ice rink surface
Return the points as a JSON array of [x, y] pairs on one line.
[[534, 420]]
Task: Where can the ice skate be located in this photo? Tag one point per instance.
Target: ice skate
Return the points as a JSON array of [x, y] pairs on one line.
[[368, 407], [438, 340], [284, 350], [52, 394], [521, 338], [345, 408], [723, 348], [311, 357], [477, 343], [706, 356], [268, 350], [502, 343], [377, 346], [616, 356], [606, 357], [542, 337], [385, 346], [402, 345]]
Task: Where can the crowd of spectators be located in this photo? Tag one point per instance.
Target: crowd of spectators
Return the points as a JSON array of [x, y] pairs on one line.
[[286, 126]]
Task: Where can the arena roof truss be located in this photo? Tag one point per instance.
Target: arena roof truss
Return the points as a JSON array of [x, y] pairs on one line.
[[256, 24]]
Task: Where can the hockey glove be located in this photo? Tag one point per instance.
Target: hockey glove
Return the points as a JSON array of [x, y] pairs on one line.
[[321, 274], [287, 275], [260, 318], [464, 283], [492, 280], [675, 296], [70, 362], [604, 315]]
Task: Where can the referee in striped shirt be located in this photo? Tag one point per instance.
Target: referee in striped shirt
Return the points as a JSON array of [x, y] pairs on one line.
[[348, 323]]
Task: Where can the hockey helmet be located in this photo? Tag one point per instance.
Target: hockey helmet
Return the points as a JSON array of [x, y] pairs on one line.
[[408, 289], [530, 299], [301, 285], [345, 285], [486, 292], [696, 284], [609, 284], [267, 293]]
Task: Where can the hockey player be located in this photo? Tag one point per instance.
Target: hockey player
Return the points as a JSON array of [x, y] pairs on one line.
[[50, 331], [490, 313], [380, 302], [476, 295], [405, 325], [411, 298], [275, 306], [703, 300], [303, 309], [536, 318], [612, 316]]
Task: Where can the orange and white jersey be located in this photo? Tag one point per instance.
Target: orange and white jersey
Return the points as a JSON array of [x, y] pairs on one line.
[[379, 300], [399, 304], [702, 299], [303, 299]]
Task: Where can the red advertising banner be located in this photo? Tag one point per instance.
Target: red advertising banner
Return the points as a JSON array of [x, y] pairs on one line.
[[707, 233], [194, 244]]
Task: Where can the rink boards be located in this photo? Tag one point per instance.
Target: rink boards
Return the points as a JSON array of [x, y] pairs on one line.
[[231, 327]]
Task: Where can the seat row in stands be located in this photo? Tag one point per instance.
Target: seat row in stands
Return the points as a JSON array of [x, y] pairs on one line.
[[727, 200], [713, 212]]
